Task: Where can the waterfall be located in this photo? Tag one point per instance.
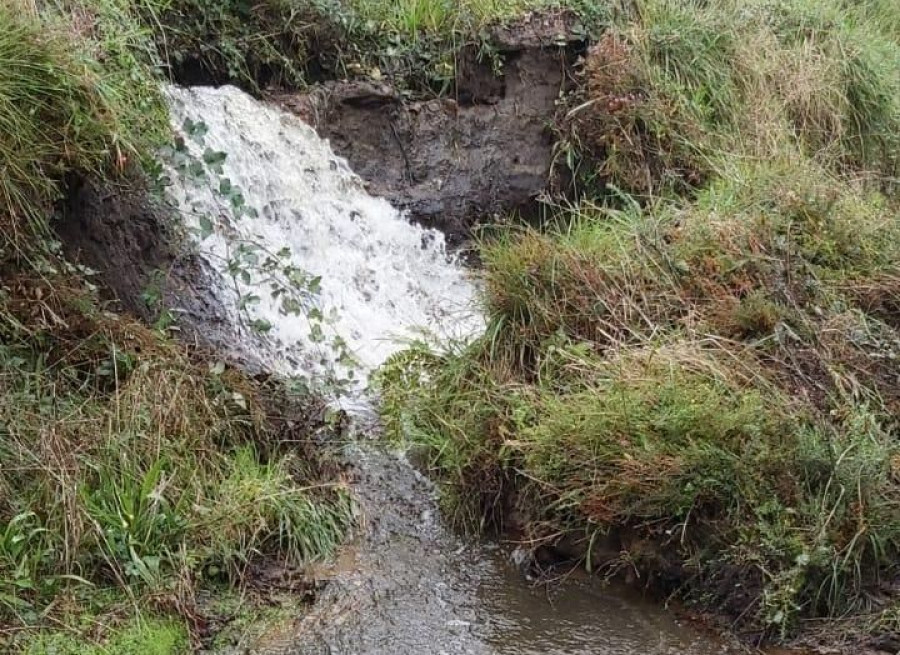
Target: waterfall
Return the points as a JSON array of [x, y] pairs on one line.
[[323, 280]]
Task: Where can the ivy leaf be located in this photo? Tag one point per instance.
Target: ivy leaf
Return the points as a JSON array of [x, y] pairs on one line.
[[214, 159], [195, 170], [248, 300], [315, 334], [195, 129], [260, 325], [206, 227]]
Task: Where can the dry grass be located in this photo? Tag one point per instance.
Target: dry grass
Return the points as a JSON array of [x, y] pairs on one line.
[[129, 465], [132, 473], [674, 91], [60, 111]]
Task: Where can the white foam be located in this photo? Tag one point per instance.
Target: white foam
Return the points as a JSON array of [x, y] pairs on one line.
[[383, 279]]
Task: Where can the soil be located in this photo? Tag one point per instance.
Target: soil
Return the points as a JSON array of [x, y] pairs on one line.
[[452, 162], [129, 238]]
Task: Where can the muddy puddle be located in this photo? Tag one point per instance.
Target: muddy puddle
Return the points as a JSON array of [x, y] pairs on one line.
[[410, 585]]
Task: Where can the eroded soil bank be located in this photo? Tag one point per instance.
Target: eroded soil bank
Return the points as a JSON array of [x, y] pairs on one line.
[[484, 152]]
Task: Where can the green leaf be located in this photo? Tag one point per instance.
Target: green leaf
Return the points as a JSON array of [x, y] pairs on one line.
[[214, 157], [315, 333], [249, 300], [260, 325], [206, 227]]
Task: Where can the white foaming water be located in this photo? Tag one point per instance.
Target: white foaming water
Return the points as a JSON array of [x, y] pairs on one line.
[[376, 279]]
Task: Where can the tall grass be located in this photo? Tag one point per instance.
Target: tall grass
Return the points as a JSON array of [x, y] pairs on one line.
[[61, 111], [676, 90], [131, 472], [699, 382], [126, 465]]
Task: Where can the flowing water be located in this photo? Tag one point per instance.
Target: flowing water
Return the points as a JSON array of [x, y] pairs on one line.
[[324, 281]]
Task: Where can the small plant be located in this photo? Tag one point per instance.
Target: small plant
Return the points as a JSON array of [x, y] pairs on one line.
[[250, 266]]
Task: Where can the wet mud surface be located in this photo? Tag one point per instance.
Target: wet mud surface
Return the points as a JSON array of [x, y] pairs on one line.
[[411, 586], [484, 151]]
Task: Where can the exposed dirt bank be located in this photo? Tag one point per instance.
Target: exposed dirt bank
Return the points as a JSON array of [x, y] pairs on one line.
[[133, 243], [453, 161]]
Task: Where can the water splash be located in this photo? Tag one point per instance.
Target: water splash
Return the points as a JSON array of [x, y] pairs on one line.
[[273, 207]]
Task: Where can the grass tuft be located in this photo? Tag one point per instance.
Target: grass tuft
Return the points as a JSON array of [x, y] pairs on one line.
[[673, 92], [700, 388], [61, 110]]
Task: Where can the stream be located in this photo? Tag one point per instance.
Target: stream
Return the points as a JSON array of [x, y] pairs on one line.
[[273, 210]]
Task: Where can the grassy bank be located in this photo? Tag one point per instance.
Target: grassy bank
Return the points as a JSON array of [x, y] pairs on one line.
[[134, 473], [690, 374], [137, 475], [289, 44]]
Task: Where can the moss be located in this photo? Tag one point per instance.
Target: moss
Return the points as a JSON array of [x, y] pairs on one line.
[[139, 637]]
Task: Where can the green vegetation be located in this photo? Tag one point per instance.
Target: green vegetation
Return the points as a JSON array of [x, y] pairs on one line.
[[145, 637], [61, 110], [134, 473], [676, 92], [691, 373], [289, 43]]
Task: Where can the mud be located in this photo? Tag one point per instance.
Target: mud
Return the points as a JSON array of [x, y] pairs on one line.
[[142, 263], [453, 161]]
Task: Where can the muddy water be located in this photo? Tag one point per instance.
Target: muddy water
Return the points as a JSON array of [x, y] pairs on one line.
[[410, 586]]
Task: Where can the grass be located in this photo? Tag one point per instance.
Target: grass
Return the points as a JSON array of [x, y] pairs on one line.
[[286, 44], [674, 92], [60, 110], [697, 382], [689, 373], [129, 466], [134, 473]]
